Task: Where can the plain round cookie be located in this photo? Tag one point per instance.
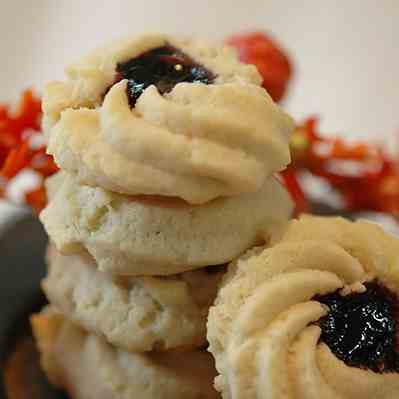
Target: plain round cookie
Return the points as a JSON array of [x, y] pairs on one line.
[[133, 313], [263, 328], [87, 367], [159, 236], [197, 142]]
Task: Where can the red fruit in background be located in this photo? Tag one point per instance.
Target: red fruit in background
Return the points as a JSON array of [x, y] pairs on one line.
[[16, 150], [271, 60]]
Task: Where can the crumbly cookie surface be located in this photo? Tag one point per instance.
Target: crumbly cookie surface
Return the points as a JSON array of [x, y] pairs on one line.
[[186, 143], [263, 330], [157, 236], [133, 313], [87, 367]]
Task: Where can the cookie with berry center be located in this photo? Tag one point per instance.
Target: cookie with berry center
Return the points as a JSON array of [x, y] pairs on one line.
[[310, 315], [156, 115]]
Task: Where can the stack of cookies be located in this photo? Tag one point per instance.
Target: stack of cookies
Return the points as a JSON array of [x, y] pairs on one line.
[[167, 149]]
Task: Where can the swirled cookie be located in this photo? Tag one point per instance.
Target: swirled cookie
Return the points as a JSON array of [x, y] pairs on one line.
[[314, 316], [88, 367], [159, 236], [133, 313], [158, 116]]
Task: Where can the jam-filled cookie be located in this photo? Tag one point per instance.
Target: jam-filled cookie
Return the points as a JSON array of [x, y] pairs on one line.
[[133, 313], [156, 235], [87, 367], [316, 315], [162, 116]]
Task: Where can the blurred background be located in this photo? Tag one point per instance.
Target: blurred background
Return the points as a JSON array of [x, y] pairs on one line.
[[345, 54]]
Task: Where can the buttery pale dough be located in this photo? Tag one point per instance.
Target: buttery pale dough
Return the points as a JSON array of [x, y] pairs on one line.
[[198, 142], [152, 236], [260, 329], [89, 368], [133, 313]]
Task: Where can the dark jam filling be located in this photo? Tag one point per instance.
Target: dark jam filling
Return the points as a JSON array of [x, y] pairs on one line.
[[362, 328], [163, 67]]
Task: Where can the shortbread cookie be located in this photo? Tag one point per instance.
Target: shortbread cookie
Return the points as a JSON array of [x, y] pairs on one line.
[[134, 313], [314, 316], [161, 116], [160, 236], [89, 368]]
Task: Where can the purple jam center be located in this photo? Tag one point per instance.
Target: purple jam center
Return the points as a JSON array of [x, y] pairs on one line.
[[362, 328], [163, 67]]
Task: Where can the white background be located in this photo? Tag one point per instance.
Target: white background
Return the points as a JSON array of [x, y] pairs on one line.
[[345, 52]]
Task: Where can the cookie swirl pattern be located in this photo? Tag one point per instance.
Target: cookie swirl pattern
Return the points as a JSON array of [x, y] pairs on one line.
[[265, 330], [185, 143]]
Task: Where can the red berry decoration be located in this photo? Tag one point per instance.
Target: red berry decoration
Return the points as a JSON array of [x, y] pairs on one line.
[[272, 62], [373, 185], [16, 151]]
